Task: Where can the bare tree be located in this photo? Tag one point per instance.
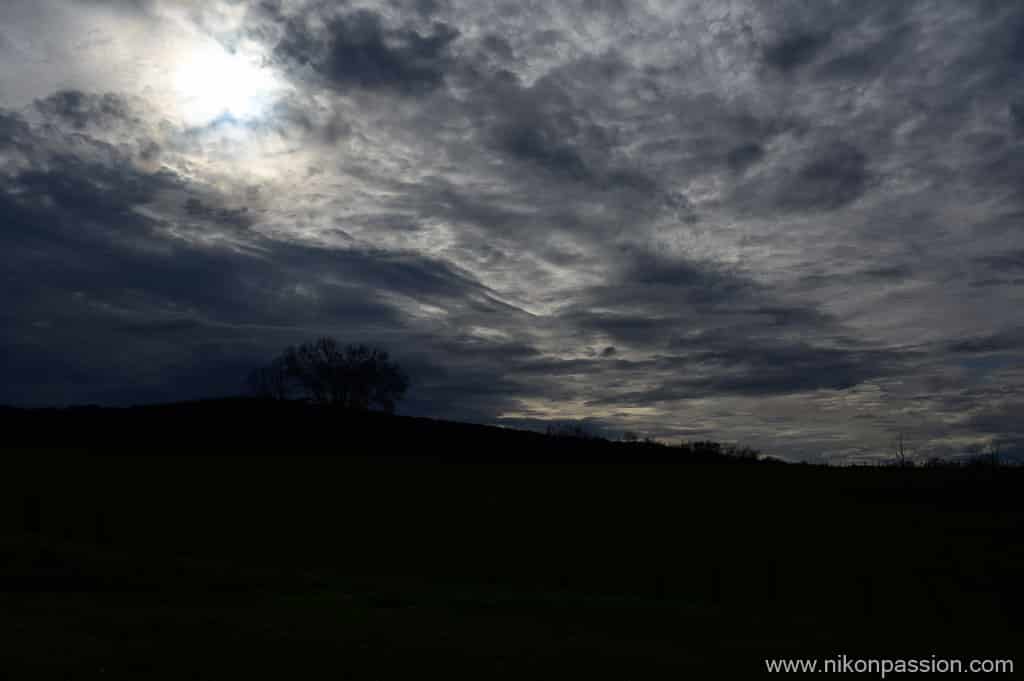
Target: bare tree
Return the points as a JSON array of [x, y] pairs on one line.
[[901, 453], [323, 371]]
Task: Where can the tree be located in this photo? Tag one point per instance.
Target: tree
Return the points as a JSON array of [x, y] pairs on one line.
[[324, 372], [902, 459]]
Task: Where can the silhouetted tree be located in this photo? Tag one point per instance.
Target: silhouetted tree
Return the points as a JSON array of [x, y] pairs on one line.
[[706, 448], [903, 459], [570, 431], [354, 376], [742, 452]]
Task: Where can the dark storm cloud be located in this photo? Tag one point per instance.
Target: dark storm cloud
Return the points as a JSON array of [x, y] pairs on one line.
[[1010, 339], [716, 333], [828, 177], [92, 270], [1004, 418], [729, 220], [751, 357], [797, 50], [14, 132], [1017, 114], [427, 8], [739, 158], [81, 109], [777, 368], [477, 383], [356, 50], [833, 177], [720, 365], [698, 284], [653, 299], [1004, 262], [542, 145], [543, 126], [996, 60], [234, 217]]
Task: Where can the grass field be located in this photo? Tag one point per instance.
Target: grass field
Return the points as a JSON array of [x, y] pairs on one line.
[[147, 565]]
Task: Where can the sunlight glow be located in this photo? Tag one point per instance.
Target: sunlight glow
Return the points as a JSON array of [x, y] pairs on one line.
[[211, 83]]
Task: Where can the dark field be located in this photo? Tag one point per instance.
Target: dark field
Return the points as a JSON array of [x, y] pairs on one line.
[[176, 561]]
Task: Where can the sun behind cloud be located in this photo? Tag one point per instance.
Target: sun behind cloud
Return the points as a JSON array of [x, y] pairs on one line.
[[211, 82]]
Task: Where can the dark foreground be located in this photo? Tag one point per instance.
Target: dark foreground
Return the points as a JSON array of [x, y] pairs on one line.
[[174, 561]]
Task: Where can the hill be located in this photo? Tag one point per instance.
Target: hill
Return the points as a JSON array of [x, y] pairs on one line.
[[243, 423], [236, 538]]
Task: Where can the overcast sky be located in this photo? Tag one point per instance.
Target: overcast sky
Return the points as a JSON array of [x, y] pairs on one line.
[[797, 225]]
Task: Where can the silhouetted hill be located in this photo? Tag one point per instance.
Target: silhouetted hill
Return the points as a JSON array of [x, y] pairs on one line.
[[243, 424], [237, 538]]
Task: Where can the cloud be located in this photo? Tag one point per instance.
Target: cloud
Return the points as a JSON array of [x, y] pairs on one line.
[[1009, 339], [237, 218], [833, 177], [825, 177], [868, 58], [356, 50], [1004, 262], [744, 155], [792, 224], [796, 50], [81, 110], [103, 264], [1017, 115]]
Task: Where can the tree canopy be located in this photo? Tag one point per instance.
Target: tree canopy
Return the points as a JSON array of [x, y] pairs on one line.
[[324, 372]]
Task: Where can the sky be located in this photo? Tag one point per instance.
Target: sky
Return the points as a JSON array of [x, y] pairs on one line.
[[792, 225]]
